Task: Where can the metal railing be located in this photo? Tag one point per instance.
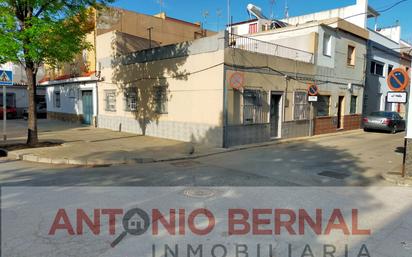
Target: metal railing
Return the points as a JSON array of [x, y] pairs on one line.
[[264, 47]]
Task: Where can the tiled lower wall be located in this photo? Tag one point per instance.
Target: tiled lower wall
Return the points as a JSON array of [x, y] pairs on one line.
[[325, 125], [291, 129], [247, 134], [65, 117], [408, 164], [182, 131], [258, 133]]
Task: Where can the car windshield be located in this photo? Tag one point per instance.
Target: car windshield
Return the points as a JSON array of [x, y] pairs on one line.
[[382, 114]]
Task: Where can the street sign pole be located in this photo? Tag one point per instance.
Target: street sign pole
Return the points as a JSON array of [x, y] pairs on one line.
[[311, 121], [313, 91], [404, 171], [6, 79], [4, 114]]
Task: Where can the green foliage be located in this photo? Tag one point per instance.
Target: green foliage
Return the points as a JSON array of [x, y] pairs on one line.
[[40, 32]]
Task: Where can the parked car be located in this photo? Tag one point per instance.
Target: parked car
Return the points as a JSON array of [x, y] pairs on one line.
[[387, 121], [41, 111], [11, 112]]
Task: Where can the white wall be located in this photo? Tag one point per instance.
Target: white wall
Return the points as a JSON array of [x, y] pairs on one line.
[[355, 14], [70, 97], [394, 33], [377, 86]]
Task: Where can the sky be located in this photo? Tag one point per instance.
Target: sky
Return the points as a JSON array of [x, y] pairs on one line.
[[192, 10]]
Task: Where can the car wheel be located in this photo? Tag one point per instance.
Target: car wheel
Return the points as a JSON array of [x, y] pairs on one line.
[[394, 129], [366, 129]]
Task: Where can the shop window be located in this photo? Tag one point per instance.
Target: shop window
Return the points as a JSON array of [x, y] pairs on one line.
[[376, 68], [353, 104], [327, 45], [301, 106], [160, 100], [253, 112], [323, 106], [110, 99], [57, 99], [130, 99], [351, 55]]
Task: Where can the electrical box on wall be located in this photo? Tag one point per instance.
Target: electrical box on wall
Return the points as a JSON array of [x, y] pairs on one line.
[[350, 87]]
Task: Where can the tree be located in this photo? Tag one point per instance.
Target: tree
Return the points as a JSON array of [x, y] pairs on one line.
[[38, 32]]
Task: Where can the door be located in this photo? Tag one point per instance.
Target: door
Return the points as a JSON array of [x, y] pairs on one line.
[[87, 100], [275, 115], [340, 112]]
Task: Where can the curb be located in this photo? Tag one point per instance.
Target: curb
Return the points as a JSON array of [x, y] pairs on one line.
[[102, 162], [397, 179]]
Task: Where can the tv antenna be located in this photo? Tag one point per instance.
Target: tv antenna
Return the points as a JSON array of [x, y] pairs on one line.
[[219, 15], [272, 6], [161, 4], [286, 9], [205, 15]]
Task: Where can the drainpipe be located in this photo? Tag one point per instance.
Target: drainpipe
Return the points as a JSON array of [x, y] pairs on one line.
[[225, 113]]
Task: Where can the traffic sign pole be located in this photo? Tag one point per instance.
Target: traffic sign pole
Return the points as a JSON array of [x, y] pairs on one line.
[[6, 79], [4, 114], [405, 171]]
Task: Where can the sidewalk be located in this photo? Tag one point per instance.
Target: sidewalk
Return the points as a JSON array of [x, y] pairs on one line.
[[93, 146], [88, 146]]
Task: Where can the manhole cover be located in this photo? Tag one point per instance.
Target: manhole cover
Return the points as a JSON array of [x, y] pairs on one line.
[[333, 174], [83, 129], [199, 192], [184, 164]]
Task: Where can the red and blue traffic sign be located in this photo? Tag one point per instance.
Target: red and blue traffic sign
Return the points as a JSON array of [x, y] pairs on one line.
[[313, 90], [398, 80]]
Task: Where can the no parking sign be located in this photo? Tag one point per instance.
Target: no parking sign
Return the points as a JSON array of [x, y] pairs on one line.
[[398, 80]]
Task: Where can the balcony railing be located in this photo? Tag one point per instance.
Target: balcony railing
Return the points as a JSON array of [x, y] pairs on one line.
[[263, 47]]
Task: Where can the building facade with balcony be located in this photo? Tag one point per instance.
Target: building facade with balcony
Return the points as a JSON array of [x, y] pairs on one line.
[[222, 90], [337, 49]]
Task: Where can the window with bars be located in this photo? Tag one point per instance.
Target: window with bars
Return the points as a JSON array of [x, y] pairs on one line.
[[323, 106], [353, 104], [301, 106], [160, 100], [110, 99], [130, 99], [57, 99], [253, 112]]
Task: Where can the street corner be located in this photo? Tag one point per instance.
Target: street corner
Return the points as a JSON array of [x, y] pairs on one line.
[[395, 178]]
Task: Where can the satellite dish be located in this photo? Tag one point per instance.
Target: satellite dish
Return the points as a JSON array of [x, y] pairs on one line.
[[256, 11]]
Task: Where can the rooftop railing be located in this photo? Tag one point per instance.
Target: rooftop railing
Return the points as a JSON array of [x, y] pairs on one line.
[[264, 47]]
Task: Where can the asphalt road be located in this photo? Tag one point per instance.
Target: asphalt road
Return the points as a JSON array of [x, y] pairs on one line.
[[356, 159]]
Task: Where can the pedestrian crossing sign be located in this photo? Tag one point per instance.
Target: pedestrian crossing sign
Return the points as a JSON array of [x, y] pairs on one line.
[[6, 78]]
